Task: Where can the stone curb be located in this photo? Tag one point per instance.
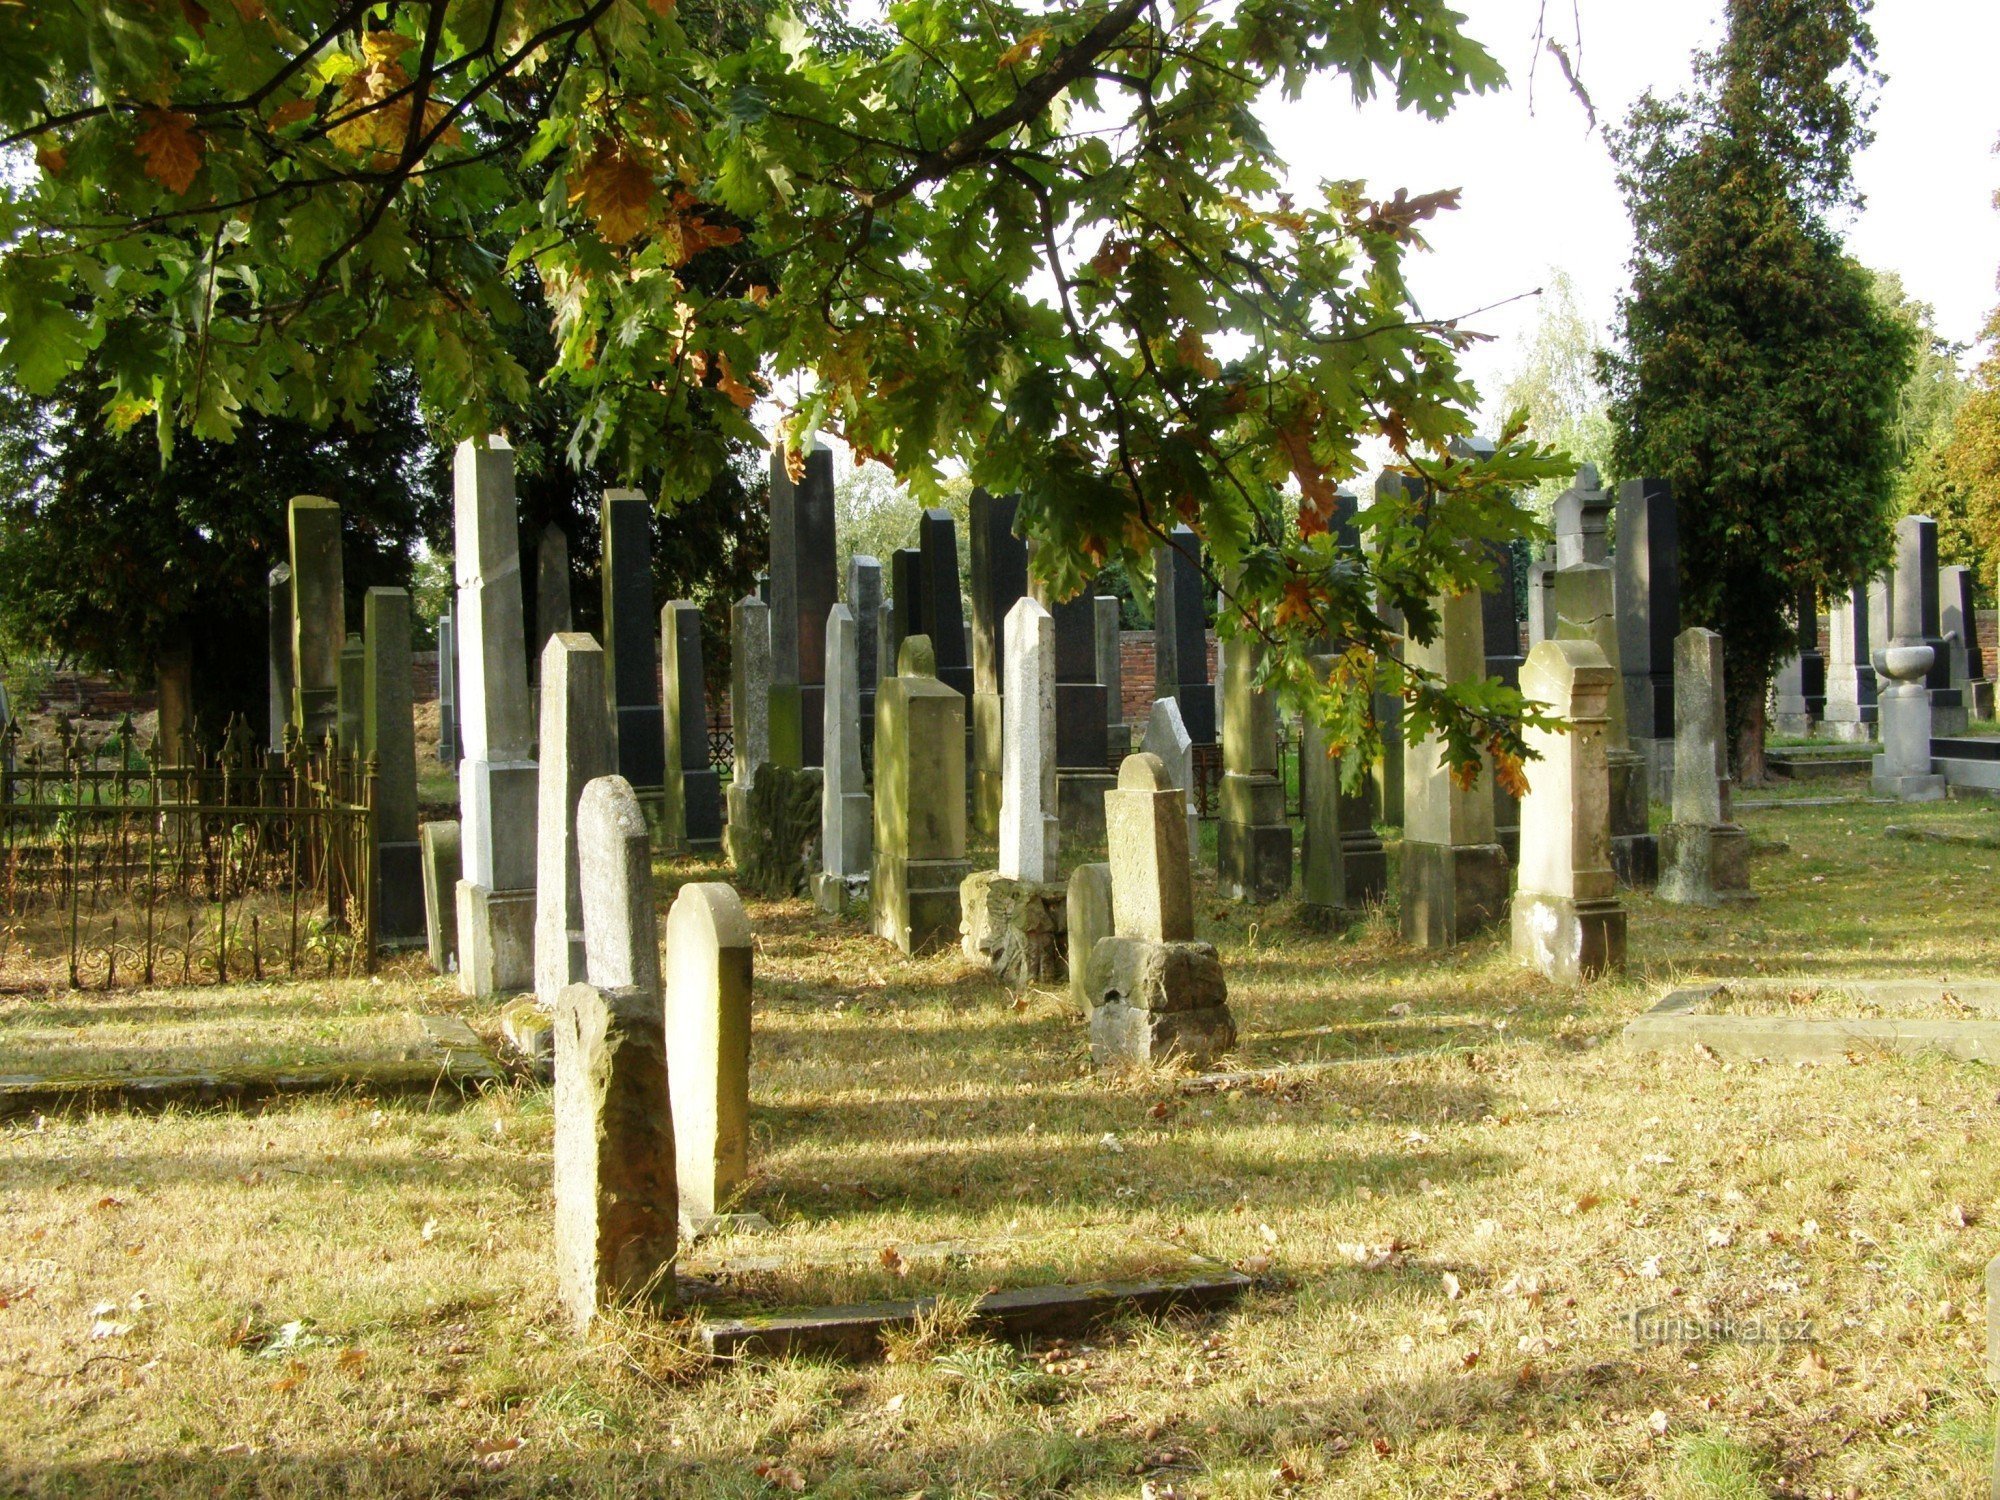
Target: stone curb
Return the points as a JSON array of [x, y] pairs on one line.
[[1676, 1022]]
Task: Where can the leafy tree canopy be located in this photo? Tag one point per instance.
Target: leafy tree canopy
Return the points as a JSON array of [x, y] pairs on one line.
[[1046, 247], [1556, 384], [1926, 408]]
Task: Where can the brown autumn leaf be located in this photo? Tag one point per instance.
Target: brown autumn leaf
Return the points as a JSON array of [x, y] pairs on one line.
[[892, 1260], [661, 8], [353, 1360], [780, 1476], [51, 159], [291, 112], [615, 188], [1024, 49], [170, 149]]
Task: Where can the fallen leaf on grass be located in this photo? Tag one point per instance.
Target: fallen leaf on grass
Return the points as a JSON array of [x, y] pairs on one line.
[[892, 1260], [1961, 1217], [1582, 1205], [1452, 1288], [107, 1201], [1254, 1265], [1658, 1422], [1371, 1257], [353, 1360], [780, 1476], [496, 1453]]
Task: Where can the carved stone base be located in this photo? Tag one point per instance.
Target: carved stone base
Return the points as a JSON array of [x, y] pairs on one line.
[[1016, 927], [1569, 940]]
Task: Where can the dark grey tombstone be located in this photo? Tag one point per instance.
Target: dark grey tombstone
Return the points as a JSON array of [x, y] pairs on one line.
[[1812, 660], [999, 580], [943, 610], [278, 588], [1647, 582], [1180, 633], [686, 722], [631, 666], [805, 585], [906, 604], [864, 602], [552, 602]]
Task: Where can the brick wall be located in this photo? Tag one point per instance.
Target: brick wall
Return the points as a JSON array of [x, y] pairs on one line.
[[1136, 664]]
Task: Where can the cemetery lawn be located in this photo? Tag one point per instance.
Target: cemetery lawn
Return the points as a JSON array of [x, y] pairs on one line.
[[1453, 1218]]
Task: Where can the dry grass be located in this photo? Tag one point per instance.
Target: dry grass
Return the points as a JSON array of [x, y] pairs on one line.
[[1453, 1222]]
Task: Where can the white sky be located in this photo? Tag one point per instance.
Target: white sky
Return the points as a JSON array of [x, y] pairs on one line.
[[1539, 189]]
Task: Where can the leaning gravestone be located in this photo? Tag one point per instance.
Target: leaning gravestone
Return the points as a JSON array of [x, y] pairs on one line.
[[617, 1204], [439, 842], [919, 804], [846, 816], [497, 780], [1014, 917], [999, 563], [1167, 737], [319, 615], [631, 672], [389, 742], [1567, 922], [1158, 995], [708, 981], [576, 749], [1254, 838], [1704, 854], [693, 788]]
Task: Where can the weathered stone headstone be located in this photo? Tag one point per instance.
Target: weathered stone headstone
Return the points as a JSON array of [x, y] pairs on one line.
[[1157, 993], [919, 804], [278, 593], [1584, 611], [389, 743], [497, 780], [709, 956], [1648, 570], [1253, 840], [552, 604], [864, 600], [1704, 854], [749, 713], [847, 819], [1180, 633], [1342, 864], [576, 749], [617, 1201], [351, 698], [1082, 777], [439, 842], [1111, 672], [631, 666], [1541, 597], [1455, 875], [694, 789], [1904, 671], [1088, 915], [449, 743], [1167, 737], [319, 615], [999, 561], [804, 586], [1582, 520], [1567, 922], [1850, 680]]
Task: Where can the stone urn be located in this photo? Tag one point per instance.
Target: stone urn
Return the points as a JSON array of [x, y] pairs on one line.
[[1904, 663]]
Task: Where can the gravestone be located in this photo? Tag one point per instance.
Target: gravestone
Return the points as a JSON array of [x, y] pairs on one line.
[[1253, 840], [1704, 854], [617, 1201], [1087, 911], [1582, 520], [708, 979], [999, 564], [1081, 720], [389, 743], [319, 615], [439, 843], [497, 780], [1957, 623], [1167, 737], [1502, 627], [919, 804], [1111, 672], [804, 586], [942, 609], [1014, 917], [552, 605], [1455, 875], [631, 668], [846, 815], [1343, 866], [1647, 588], [1850, 670], [1904, 671], [1584, 611], [1180, 633], [864, 601], [1542, 596], [449, 746], [1406, 493], [749, 714], [1918, 608], [904, 616], [576, 749], [693, 787], [1158, 995], [1799, 686], [351, 699], [1962, 590], [278, 595], [1567, 922]]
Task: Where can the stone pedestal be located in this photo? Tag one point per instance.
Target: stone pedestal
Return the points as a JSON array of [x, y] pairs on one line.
[[1903, 769], [1017, 928], [1567, 939], [496, 931], [1451, 891], [1705, 864], [1158, 1003]]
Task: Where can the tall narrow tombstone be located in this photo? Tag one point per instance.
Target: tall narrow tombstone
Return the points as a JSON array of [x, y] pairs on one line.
[[749, 715], [497, 780], [1343, 866], [617, 1201], [708, 978], [905, 615], [319, 615], [942, 609], [1704, 854], [1799, 686], [1455, 876], [1850, 680], [1647, 569], [1956, 623], [694, 789], [919, 804], [1905, 700], [439, 843], [1501, 622], [864, 600], [1542, 597], [350, 699], [1156, 993], [278, 595], [1082, 774], [1180, 633], [1253, 841], [576, 748], [389, 742], [804, 586], [1918, 607], [1584, 611], [1962, 592], [1567, 922], [1582, 520], [552, 606], [1405, 491], [449, 745], [1107, 620], [846, 816], [631, 668], [999, 562], [1167, 737]]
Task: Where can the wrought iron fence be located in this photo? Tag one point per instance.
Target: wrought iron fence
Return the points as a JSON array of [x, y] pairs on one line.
[[117, 868]]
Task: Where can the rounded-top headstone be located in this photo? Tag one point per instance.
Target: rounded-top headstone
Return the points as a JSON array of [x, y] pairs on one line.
[[1144, 772], [916, 658], [717, 907]]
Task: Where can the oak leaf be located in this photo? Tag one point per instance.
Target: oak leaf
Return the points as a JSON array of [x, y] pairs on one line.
[[1024, 49], [615, 188], [291, 112], [170, 149]]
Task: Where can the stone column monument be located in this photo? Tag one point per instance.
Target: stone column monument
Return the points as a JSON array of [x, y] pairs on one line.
[[497, 780], [919, 804], [999, 578], [804, 587], [1704, 855], [1567, 922], [1648, 569], [1903, 670], [389, 742], [631, 669]]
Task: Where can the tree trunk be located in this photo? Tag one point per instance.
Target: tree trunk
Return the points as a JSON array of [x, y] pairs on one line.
[[1750, 768], [173, 672]]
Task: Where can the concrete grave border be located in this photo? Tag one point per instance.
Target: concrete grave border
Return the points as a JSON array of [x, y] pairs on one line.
[[1678, 1021]]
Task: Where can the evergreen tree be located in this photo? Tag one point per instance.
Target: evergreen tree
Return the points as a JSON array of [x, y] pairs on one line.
[[1757, 371]]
